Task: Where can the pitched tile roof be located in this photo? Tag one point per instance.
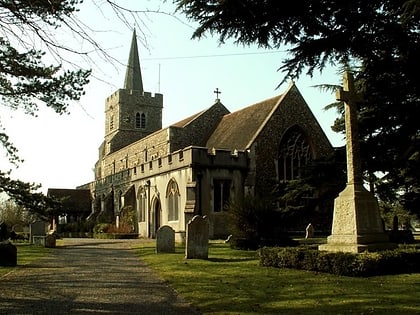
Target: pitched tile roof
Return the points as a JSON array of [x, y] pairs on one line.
[[186, 121], [238, 129]]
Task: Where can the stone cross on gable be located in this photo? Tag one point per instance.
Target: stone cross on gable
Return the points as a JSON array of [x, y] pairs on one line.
[[350, 98], [217, 92]]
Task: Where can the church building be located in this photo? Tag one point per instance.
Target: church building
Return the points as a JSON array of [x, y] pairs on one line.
[[153, 176]]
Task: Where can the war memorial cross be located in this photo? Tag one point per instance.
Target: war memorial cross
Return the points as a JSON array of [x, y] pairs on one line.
[[350, 98], [357, 224]]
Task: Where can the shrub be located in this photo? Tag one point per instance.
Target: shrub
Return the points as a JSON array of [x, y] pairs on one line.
[[122, 228], [101, 228], [255, 223], [346, 264]]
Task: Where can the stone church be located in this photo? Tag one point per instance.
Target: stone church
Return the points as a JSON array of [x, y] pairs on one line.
[[165, 176]]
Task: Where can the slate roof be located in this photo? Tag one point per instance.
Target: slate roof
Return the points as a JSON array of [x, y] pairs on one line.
[[186, 121], [238, 129]]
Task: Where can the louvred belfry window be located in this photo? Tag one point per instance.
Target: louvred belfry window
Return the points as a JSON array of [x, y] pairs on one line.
[[140, 121]]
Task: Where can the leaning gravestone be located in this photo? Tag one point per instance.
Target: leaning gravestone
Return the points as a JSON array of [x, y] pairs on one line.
[[197, 243], [165, 240]]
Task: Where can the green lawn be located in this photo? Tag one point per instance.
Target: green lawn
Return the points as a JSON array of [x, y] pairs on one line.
[[232, 282], [26, 253]]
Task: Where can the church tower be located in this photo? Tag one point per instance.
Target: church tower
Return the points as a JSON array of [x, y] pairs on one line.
[[131, 113]]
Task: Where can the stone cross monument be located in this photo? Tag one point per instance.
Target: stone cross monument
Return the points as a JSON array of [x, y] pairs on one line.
[[357, 225]]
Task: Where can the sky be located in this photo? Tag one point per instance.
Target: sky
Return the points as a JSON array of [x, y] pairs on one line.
[[60, 151]]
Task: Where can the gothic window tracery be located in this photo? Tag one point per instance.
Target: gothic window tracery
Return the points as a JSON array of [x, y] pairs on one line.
[[294, 153], [172, 197]]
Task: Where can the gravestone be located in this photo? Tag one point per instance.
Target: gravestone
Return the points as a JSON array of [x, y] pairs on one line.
[[4, 233], [37, 232], [197, 239], [8, 254], [50, 241], [165, 240], [310, 230], [8, 251], [357, 225]]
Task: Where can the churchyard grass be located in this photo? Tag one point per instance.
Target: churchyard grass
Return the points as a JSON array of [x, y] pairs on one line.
[[26, 253], [232, 282]]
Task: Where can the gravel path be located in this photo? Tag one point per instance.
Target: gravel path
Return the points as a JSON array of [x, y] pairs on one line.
[[89, 276]]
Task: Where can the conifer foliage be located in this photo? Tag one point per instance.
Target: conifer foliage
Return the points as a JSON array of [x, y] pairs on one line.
[[378, 39], [26, 82]]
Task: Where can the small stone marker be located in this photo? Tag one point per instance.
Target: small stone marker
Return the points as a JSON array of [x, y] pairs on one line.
[[50, 241], [310, 231], [197, 244], [165, 240]]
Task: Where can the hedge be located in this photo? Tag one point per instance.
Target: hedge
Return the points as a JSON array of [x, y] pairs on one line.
[[346, 264]]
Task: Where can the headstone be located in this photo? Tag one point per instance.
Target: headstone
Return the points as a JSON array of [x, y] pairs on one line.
[[357, 225], [37, 229], [8, 254], [4, 234], [310, 231], [50, 241], [197, 243], [165, 240]]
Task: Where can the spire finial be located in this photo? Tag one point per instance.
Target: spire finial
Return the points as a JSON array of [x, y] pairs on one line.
[[133, 79]]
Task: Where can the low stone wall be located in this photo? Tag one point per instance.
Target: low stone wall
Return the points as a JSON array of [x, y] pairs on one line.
[[116, 235]]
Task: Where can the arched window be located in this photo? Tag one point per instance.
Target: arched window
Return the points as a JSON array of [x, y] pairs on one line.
[[172, 197], [143, 121], [142, 204], [294, 153]]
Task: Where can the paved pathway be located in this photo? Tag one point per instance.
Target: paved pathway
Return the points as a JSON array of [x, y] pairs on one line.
[[89, 276]]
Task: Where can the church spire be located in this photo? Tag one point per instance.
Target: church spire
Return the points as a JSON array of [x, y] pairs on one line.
[[133, 80]]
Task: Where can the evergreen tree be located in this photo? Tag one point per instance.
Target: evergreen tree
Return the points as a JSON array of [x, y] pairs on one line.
[[380, 39], [27, 83]]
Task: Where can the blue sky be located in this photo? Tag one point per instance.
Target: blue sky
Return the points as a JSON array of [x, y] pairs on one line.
[[60, 151]]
